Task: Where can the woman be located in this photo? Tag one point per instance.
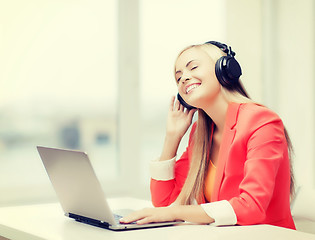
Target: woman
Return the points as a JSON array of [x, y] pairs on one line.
[[236, 168]]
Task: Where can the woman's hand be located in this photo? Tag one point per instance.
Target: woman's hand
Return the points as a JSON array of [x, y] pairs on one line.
[[150, 215], [178, 122], [179, 119], [190, 213]]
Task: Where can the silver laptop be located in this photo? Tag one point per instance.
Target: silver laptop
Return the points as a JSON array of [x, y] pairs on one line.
[[79, 191]]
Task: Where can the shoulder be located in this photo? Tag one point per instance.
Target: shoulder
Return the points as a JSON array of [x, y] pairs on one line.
[[254, 117], [256, 114]]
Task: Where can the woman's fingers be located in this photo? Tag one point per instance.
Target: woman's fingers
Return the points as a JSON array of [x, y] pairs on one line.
[[191, 112], [181, 108], [145, 220], [130, 218], [135, 216], [148, 215], [174, 104], [171, 107], [177, 105]]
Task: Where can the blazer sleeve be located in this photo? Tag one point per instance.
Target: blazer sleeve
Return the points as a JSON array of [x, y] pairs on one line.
[[165, 192], [266, 150]]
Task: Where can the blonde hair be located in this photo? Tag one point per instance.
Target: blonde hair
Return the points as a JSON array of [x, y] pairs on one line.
[[194, 184], [193, 188], [195, 181]]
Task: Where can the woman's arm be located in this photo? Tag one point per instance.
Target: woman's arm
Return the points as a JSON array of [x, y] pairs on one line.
[[189, 213], [168, 176], [178, 122], [168, 180]]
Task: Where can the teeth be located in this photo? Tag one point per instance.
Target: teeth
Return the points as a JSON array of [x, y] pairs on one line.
[[191, 87]]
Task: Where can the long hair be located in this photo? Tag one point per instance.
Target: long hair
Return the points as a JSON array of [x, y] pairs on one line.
[[193, 188]]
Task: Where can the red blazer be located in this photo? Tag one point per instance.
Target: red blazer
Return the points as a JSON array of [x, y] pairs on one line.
[[253, 169]]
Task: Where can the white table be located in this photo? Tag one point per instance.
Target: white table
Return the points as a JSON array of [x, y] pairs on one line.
[[46, 221]]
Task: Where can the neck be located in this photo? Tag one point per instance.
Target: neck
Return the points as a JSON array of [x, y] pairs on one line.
[[218, 108], [217, 111]]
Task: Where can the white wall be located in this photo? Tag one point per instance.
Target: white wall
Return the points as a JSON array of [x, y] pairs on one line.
[[244, 34], [296, 87]]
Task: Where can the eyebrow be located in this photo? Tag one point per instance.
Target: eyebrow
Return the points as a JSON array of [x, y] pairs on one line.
[[186, 65]]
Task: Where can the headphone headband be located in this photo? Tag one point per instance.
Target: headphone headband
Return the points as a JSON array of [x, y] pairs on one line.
[[223, 47]]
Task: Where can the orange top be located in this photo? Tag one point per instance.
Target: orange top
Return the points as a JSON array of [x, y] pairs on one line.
[[209, 182]]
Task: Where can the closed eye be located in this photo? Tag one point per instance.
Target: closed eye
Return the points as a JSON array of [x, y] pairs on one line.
[[194, 67]]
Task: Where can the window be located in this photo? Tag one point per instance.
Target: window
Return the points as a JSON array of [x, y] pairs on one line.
[[58, 88]]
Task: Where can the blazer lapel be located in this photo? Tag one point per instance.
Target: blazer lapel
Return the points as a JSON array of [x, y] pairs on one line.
[[227, 139]]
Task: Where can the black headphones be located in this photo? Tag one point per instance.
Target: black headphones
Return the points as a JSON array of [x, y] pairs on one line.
[[227, 70]]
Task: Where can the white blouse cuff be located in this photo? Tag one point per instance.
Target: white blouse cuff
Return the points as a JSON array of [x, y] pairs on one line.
[[221, 211], [162, 170]]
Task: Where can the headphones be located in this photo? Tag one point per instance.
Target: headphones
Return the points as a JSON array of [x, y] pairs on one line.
[[227, 70]]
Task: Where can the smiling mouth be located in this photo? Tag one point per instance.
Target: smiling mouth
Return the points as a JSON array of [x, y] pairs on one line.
[[191, 87]]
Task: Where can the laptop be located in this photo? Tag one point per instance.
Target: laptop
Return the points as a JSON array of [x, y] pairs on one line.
[[79, 191]]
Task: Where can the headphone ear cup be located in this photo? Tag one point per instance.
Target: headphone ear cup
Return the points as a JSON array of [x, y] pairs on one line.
[[182, 102], [233, 69], [219, 72], [228, 71]]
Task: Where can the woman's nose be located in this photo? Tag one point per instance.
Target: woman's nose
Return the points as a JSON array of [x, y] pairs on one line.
[[185, 78]]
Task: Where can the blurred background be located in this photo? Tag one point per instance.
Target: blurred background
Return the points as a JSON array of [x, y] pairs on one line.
[[97, 75]]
